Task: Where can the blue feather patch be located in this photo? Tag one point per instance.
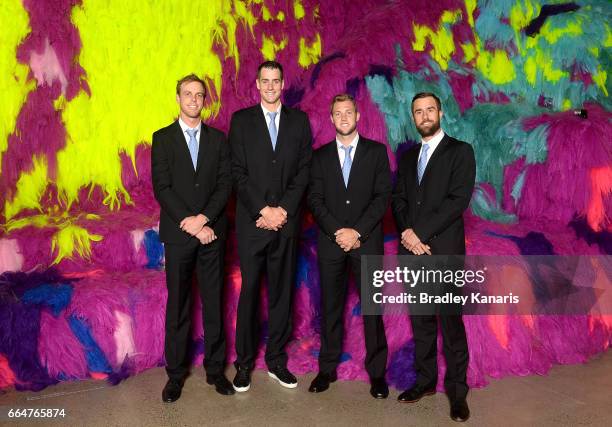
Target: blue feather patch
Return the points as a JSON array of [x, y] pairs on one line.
[[56, 296], [154, 248], [96, 361]]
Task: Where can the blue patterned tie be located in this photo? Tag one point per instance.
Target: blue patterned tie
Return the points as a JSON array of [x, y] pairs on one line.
[[422, 161], [272, 129], [348, 162], [193, 146]]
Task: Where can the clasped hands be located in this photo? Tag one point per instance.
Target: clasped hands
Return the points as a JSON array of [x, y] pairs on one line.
[[196, 226], [347, 239], [271, 218], [412, 242]]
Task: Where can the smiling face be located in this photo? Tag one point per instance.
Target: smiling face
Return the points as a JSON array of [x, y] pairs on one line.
[[270, 85], [344, 117], [191, 100], [426, 115]]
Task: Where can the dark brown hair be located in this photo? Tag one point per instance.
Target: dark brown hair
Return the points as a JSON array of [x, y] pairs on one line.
[[273, 65], [426, 95]]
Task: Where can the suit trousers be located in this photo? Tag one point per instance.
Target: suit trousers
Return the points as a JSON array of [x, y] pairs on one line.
[[425, 332], [208, 263], [276, 255], [334, 284]]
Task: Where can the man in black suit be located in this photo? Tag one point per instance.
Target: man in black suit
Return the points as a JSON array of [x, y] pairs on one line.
[[350, 187], [434, 187], [190, 168], [271, 147]]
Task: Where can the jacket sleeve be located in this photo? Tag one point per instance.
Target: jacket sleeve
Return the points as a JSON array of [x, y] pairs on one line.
[[246, 190], [457, 200], [380, 199], [399, 198], [296, 187], [219, 197], [161, 176], [316, 201]]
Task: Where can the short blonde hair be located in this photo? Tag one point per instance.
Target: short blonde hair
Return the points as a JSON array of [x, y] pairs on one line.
[[341, 98]]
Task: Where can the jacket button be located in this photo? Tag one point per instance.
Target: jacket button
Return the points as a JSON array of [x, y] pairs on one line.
[[197, 185]]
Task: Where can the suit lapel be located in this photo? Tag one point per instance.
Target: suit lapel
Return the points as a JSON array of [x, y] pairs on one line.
[[181, 145], [283, 125], [442, 146], [333, 164], [261, 128], [203, 147], [360, 153]]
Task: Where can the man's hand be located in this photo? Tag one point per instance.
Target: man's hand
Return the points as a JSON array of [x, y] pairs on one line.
[[412, 242], [409, 238], [193, 224], [346, 238], [272, 218], [261, 223], [420, 249], [206, 235]]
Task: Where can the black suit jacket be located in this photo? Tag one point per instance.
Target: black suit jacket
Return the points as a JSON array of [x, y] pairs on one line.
[[360, 206], [266, 177], [183, 192], [434, 209]]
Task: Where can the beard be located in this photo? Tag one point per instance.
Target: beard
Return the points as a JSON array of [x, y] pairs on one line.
[[342, 132], [429, 130]]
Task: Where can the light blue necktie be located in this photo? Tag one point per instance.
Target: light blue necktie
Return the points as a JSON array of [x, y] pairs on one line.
[[422, 161], [193, 146], [348, 162], [272, 129]]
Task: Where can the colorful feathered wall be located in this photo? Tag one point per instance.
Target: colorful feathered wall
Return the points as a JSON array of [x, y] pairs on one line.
[[85, 83]]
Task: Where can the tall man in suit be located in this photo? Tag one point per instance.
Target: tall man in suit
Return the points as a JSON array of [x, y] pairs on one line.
[[350, 187], [190, 168], [434, 187], [271, 147]]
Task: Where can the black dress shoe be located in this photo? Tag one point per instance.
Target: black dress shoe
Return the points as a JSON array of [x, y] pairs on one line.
[[415, 394], [460, 411], [321, 382], [379, 388], [172, 391], [222, 384]]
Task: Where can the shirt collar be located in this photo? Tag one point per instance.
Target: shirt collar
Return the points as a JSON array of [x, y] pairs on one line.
[[352, 144], [433, 142], [266, 111], [184, 126]]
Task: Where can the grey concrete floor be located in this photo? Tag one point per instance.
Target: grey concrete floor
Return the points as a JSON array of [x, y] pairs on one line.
[[567, 396]]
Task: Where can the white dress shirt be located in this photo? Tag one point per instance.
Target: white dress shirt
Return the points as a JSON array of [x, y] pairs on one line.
[[433, 144], [276, 119], [342, 153], [184, 128]]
